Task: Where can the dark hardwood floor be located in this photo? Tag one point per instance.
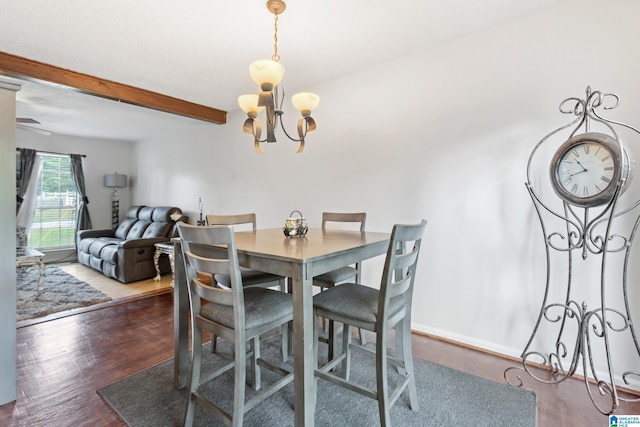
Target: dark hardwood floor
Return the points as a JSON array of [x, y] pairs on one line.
[[62, 362]]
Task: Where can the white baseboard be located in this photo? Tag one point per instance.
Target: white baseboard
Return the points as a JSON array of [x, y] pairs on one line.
[[634, 383], [464, 339]]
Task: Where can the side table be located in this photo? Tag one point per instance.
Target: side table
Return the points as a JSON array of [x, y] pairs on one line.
[[167, 249], [29, 257]]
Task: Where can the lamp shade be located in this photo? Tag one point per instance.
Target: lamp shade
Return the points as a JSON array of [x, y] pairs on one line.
[[249, 103], [115, 180], [266, 71], [305, 101]]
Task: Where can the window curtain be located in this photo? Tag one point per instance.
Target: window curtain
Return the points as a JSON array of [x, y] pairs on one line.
[[29, 188], [83, 219], [27, 158]]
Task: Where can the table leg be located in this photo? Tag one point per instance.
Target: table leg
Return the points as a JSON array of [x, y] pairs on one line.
[[173, 270], [180, 323], [156, 258], [41, 269], [303, 356]]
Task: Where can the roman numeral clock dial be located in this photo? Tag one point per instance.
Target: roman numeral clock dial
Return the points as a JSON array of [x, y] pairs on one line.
[[586, 169]]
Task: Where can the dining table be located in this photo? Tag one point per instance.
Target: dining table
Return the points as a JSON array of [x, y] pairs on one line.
[[300, 259]]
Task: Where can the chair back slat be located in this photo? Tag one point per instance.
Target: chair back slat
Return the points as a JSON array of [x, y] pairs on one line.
[[239, 219], [347, 220], [399, 287], [210, 267], [217, 295], [360, 217], [403, 260]]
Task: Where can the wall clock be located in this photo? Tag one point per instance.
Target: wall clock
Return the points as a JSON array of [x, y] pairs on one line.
[[586, 169]]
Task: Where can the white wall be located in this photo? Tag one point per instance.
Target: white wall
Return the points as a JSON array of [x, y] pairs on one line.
[[443, 134]]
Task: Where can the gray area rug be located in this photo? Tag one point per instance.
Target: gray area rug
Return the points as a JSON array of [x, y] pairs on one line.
[[61, 292], [447, 398]]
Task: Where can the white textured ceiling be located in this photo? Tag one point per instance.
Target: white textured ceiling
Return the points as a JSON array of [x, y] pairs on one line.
[[200, 50]]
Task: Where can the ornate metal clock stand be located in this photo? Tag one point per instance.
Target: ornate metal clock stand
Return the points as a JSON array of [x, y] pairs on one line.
[[593, 226]]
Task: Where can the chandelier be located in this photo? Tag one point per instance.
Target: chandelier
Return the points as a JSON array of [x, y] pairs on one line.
[[268, 74]]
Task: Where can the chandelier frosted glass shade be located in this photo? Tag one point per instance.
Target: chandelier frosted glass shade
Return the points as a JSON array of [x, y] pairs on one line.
[[249, 104], [266, 73], [305, 102]]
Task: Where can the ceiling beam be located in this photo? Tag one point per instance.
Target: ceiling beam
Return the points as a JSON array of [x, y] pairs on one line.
[[27, 69]]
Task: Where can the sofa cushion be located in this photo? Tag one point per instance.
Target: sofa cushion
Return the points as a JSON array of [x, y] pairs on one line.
[[85, 244], [157, 229], [109, 270], [146, 213], [110, 254], [132, 212], [84, 258], [95, 263], [97, 245], [124, 227], [137, 231], [163, 213]]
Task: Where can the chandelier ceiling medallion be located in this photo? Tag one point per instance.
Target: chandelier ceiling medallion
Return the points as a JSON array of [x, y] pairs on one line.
[[268, 74]]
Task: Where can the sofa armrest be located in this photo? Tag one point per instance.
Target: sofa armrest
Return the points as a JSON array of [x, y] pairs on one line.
[[141, 243], [83, 234]]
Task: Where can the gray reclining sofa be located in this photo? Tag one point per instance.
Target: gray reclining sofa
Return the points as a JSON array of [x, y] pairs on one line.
[[126, 253]]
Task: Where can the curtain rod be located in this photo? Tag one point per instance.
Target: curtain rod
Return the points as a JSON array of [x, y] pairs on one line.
[[53, 152]]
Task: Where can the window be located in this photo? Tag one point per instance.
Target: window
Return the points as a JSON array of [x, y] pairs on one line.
[[54, 219]]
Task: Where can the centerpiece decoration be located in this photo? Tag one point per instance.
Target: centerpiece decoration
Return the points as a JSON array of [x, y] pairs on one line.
[[295, 227]]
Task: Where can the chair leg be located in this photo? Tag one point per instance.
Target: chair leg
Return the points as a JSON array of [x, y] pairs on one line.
[[408, 363], [284, 341], [363, 339], [194, 382], [255, 369], [240, 384], [332, 336], [214, 343], [381, 379], [315, 338], [332, 333], [346, 350], [325, 322], [284, 329], [290, 337]]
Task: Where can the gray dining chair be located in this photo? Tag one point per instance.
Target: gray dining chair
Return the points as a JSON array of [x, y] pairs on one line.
[[239, 314], [249, 277], [378, 311], [343, 274]]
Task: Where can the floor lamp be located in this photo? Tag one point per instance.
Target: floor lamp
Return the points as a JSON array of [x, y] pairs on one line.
[[115, 181]]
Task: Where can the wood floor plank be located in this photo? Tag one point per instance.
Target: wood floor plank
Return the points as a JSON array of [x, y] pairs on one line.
[[63, 362]]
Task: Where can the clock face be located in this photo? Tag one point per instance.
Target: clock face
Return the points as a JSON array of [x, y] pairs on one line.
[[587, 168]]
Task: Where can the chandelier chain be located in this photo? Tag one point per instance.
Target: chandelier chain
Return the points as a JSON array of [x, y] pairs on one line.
[[275, 56]]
